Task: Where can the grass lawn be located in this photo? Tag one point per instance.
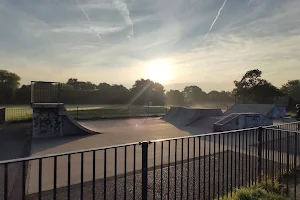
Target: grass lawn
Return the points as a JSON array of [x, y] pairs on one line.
[[22, 113]]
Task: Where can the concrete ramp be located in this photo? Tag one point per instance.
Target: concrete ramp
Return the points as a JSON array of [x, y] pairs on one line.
[[52, 119], [170, 114], [237, 121], [187, 116]]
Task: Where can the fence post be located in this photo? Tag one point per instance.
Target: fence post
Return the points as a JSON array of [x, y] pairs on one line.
[[260, 131], [144, 170], [77, 113]]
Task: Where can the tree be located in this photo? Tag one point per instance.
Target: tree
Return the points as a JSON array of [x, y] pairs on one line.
[[252, 88], [23, 95], [9, 83], [223, 96], [292, 88], [194, 94], [175, 97], [144, 91]]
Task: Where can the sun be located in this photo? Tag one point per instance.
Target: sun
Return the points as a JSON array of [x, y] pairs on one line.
[[159, 71]]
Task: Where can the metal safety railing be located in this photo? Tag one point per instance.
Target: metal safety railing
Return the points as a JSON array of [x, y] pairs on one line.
[[195, 167]]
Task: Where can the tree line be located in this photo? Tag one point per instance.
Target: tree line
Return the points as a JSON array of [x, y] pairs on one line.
[[251, 88]]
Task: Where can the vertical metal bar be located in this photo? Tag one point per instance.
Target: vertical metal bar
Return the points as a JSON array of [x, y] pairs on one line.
[[209, 168], [273, 156], [144, 170], [252, 139], [280, 152], [295, 164], [5, 182], [94, 175], [243, 162], [116, 173], [247, 179], [267, 155], [169, 161], [125, 171], [239, 159], [23, 180], [194, 157], [175, 176], [134, 171], [161, 170], [69, 177], [235, 160], [214, 185], [40, 178], [259, 153], [227, 167], [231, 164], [181, 182], [219, 163], [104, 179], [55, 177], [82, 174], [204, 170], [199, 168], [188, 168], [223, 167], [154, 171], [288, 160]]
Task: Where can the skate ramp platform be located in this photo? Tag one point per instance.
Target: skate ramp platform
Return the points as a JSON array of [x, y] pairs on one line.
[[269, 110], [52, 119], [187, 116], [237, 121]]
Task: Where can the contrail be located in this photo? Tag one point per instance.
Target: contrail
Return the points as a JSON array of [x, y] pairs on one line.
[[88, 19], [122, 8], [250, 2], [219, 12]]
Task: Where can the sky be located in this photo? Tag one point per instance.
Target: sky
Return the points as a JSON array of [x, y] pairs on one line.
[[209, 43]]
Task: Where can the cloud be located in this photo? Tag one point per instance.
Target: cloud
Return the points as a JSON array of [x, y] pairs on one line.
[[57, 39]]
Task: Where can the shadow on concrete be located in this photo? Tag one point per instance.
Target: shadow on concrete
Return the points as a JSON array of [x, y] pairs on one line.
[[44, 143]]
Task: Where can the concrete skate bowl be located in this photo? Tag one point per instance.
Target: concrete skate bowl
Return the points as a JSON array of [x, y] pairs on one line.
[[187, 116], [52, 119], [237, 121]]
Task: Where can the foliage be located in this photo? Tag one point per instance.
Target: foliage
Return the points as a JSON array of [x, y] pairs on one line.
[[175, 97], [292, 88], [253, 88], [9, 83], [193, 95], [267, 190]]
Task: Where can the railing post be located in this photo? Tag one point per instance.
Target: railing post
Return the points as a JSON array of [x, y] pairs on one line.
[[260, 131], [144, 170]]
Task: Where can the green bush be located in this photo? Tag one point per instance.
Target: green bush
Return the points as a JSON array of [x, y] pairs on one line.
[[268, 191]]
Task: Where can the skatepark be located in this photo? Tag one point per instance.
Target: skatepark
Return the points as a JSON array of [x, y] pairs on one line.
[[70, 159]]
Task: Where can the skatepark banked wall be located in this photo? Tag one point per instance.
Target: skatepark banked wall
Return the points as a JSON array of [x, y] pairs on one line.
[[237, 121], [182, 116], [52, 119]]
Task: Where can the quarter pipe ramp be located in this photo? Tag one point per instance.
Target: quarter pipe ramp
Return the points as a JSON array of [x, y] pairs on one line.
[[52, 119]]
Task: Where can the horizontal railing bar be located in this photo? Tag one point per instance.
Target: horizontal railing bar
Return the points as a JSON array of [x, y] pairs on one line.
[[204, 135], [66, 153], [282, 130], [291, 123]]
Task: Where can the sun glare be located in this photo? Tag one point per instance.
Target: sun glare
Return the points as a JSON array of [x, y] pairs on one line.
[[159, 71]]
